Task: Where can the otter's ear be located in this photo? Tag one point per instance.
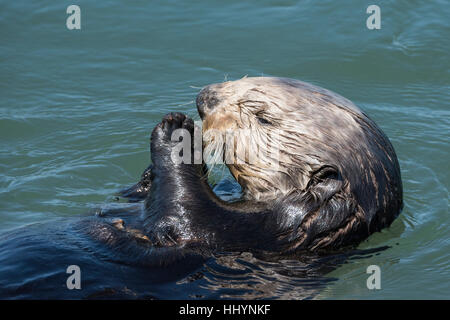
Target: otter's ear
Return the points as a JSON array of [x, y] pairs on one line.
[[325, 182]]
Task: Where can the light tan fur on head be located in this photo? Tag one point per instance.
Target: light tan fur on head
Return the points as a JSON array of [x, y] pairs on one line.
[[293, 127]]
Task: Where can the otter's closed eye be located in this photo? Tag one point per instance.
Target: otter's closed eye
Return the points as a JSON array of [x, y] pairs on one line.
[[263, 120], [260, 115]]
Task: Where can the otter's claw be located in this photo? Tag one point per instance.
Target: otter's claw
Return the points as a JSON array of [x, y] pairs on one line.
[[172, 121]]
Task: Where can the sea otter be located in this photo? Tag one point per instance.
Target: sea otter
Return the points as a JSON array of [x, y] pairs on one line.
[[335, 180]]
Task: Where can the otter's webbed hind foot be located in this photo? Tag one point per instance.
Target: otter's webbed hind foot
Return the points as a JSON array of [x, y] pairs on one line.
[[139, 191]]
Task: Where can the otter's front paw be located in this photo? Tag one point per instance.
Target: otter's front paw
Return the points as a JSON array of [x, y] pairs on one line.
[[171, 122], [173, 137]]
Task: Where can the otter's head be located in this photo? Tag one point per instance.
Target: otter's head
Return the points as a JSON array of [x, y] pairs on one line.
[[294, 134], [279, 131]]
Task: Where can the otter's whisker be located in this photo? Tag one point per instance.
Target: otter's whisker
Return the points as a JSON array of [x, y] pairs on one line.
[[185, 103]]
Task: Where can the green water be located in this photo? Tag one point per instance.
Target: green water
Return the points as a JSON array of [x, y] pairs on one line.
[[77, 106]]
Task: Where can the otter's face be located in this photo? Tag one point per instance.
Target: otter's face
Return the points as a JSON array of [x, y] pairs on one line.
[[274, 133]]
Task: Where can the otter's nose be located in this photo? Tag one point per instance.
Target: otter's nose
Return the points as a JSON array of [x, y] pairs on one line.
[[206, 101]]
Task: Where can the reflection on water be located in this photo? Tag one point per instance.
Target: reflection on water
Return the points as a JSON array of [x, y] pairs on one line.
[[243, 276]]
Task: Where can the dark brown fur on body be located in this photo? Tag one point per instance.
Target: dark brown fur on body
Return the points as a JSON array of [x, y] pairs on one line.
[[338, 179]]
